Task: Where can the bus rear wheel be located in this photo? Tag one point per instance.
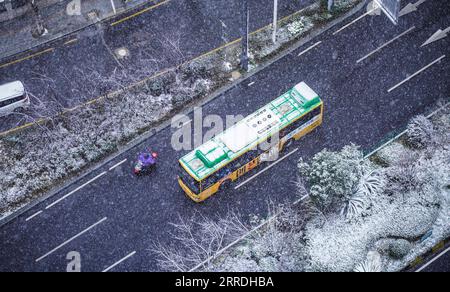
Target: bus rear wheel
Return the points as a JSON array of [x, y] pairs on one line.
[[225, 185], [288, 144]]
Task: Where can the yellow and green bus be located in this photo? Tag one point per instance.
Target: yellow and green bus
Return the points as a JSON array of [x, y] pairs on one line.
[[235, 152]]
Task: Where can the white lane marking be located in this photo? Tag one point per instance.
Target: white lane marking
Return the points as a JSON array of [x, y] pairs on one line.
[[251, 83], [356, 20], [75, 190], [70, 240], [183, 124], [385, 45], [310, 48], [119, 262], [417, 73], [32, 216], [433, 260], [265, 169], [118, 164], [301, 199]]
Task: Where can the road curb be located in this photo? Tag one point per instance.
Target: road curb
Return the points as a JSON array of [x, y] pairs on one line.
[[164, 124], [88, 25]]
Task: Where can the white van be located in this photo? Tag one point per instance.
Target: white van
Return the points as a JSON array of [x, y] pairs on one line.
[[12, 97]]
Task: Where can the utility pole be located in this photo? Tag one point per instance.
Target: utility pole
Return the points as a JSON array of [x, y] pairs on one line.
[[275, 21], [40, 29], [113, 7], [244, 35], [330, 5]]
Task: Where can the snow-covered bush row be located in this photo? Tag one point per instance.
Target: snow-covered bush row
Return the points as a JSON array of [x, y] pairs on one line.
[[293, 28], [405, 200], [34, 160]]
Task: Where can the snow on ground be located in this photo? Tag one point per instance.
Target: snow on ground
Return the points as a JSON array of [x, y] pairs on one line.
[[409, 216]]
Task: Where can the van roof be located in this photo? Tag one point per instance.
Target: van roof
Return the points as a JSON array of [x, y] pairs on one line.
[[11, 90]]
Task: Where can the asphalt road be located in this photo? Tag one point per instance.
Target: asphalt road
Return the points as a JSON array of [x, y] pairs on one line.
[[437, 263], [83, 65], [359, 109]]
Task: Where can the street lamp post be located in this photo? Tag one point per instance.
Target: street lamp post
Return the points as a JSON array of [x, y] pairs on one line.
[[40, 29], [244, 35], [330, 5], [275, 20]]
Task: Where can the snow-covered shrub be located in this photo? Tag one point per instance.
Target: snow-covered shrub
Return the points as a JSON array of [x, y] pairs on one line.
[[390, 154], [332, 176], [420, 132], [370, 185], [278, 246], [372, 264], [398, 249], [299, 26]]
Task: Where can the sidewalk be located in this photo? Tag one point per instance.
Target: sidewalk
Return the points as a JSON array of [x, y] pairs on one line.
[[15, 34]]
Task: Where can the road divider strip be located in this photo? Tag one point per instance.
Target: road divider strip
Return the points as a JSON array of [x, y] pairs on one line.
[[139, 13], [119, 262], [27, 57], [415, 74], [69, 42], [164, 71], [71, 239], [75, 190], [385, 45]]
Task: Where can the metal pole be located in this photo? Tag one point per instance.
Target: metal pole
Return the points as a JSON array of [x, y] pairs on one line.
[[275, 20], [244, 34], [330, 5], [113, 6], [40, 29]]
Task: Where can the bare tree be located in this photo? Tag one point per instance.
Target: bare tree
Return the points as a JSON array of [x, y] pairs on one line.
[[198, 239]]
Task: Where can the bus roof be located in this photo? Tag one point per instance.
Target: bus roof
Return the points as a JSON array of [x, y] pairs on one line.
[[11, 90], [249, 132]]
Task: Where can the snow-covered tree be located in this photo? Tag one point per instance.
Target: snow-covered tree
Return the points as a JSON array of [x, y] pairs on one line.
[[197, 239], [332, 176], [420, 132]]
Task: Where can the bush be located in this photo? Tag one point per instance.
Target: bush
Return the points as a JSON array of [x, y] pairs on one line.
[[399, 249], [332, 176], [420, 132]]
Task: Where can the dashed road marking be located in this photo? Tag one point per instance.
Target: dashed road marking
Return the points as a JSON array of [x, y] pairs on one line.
[[310, 48], [119, 262], [34, 215], [356, 20], [118, 164], [385, 45], [70, 240], [417, 73], [433, 260], [75, 190], [265, 169]]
